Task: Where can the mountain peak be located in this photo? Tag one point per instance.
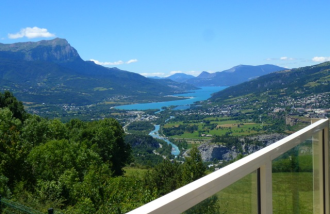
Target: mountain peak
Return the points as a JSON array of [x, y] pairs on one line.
[[55, 50], [204, 74], [54, 42], [180, 77]]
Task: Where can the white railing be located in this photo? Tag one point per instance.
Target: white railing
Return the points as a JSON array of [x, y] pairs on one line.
[[190, 195]]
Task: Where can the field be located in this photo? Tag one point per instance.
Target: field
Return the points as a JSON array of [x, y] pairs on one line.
[[213, 126], [134, 172], [292, 193]]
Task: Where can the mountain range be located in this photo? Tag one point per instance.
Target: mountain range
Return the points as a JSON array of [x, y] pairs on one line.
[[230, 77], [296, 83], [51, 71]]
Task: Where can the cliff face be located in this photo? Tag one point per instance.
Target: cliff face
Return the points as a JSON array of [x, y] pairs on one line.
[[56, 50], [209, 151]]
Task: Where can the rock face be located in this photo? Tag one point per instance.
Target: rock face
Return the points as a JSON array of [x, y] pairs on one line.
[[209, 151], [56, 50]]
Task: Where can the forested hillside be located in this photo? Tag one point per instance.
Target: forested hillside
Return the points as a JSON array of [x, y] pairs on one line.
[[78, 167], [298, 82], [35, 70]]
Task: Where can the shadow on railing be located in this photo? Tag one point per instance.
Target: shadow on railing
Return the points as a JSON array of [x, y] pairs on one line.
[[289, 176]]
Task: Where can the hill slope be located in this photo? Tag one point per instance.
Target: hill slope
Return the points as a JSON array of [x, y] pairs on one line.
[[51, 71], [298, 82]]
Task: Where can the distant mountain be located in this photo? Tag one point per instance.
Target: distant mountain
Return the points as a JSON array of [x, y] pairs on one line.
[[180, 77], [233, 76], [155, 77], [298, 82], [51, 71]]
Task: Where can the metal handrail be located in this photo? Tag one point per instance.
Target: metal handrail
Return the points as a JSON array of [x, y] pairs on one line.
[[187, 196]]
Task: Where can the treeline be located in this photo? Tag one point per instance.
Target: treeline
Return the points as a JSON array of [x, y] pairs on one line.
[[179, 130], [77, 167], [140, 127], [142, 150]]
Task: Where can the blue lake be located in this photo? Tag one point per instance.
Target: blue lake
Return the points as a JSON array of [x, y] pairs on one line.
[[196, 95]]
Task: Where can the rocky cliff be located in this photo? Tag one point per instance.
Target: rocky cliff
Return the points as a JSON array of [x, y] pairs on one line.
[[56, 50], [211, 151]]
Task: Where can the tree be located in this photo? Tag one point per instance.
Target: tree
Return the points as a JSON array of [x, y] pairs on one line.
[[50, 160], [13, 151], [165, 177], [108, 135], [35, 130], [193, 167], [8, 100]]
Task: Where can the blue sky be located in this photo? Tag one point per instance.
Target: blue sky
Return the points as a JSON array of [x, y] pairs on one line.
[[162, 37]]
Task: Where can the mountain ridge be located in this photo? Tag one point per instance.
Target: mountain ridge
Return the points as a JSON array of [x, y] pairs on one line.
[[36, 70], [296, 82], [232, 76]]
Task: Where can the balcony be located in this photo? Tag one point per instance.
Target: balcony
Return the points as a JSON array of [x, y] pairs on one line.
[[289, 176]]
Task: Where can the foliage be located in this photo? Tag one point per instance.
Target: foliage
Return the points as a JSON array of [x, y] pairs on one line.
[[78, 167], [143, 147], [140, 127]]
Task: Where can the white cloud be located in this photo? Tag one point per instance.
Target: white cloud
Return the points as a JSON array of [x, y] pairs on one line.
[[286, 58], [107, 63], [321, 59], [31, 33], [153, 74], [131, 61], [120, 62], [175, 72]]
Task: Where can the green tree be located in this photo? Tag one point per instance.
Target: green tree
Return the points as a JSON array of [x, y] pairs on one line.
[[13, 151], [35, 130], [8, 100], [165, 177], [193, 167], [108, 135], [50, 160]]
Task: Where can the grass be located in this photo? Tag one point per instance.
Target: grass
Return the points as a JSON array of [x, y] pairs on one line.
[[292, 193], [235, 127], [135, 172]]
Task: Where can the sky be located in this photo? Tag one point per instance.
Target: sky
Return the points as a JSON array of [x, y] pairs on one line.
[[163, 37]]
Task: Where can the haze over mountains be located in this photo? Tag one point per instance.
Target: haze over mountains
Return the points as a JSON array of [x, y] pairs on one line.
[[36, 70], [230, 77]]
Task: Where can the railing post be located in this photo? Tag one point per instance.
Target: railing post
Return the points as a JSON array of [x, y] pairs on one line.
[[265, 193], [50, 211], [326, 169], [0, 205]]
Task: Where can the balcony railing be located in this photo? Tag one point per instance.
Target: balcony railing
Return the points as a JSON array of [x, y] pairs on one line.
[[289, 176]]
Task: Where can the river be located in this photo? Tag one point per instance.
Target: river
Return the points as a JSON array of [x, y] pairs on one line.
[[193, 96], [155, 134], [196, 95]]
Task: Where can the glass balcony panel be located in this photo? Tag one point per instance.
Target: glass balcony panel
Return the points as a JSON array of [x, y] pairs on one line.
[[296, 177], [240, 198]]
